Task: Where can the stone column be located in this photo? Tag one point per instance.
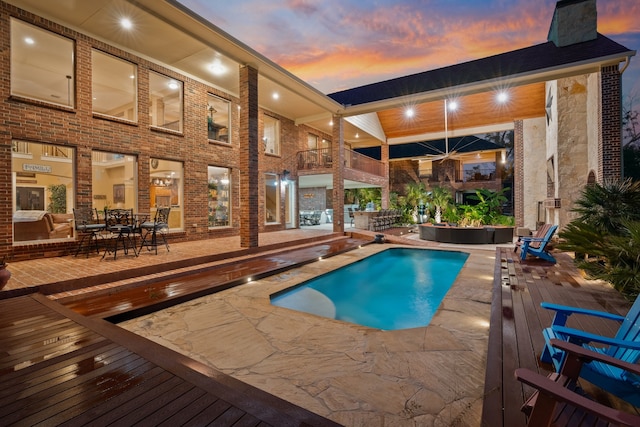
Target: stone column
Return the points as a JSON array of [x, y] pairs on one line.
[[337, 153], [518, 173], [249, 167]]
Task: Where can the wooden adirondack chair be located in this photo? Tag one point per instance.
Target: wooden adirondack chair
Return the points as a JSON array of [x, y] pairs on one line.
[[559, 401], [537, 246], [625, 346]]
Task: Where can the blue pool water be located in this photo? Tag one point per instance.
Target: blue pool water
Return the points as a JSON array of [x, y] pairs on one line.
[[397, 288]]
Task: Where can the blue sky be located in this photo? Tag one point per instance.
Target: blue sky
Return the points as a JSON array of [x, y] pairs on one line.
[[340, 44]]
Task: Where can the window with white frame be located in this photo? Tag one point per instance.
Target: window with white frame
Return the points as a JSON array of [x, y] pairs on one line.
[[271, 135], [113, 86], [42, 65], [165, 102]]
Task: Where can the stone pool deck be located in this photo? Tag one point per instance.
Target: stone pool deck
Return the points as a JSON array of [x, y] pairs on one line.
[[350, 374]]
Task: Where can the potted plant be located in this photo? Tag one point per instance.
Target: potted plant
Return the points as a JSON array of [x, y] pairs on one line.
[[5, 274]]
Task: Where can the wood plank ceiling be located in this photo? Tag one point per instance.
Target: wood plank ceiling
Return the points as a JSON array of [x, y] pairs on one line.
[[475, 110]]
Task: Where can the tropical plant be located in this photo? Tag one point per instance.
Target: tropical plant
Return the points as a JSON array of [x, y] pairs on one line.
[[612, 257], [57, 198], [606, 206], [606, 235], [416, 193], [440, 198], [489, 204]]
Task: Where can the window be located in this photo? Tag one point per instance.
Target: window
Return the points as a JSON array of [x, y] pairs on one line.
[[219, 185], [43, 191], [271, 135], [272, 198], [113, 86], [42, 65], [165, 98], [166, 190], [218, 119], [312, 142], [425, 168], [114, 181]]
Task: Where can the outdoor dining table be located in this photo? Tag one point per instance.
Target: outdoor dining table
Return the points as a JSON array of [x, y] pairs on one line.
[[123, 225]]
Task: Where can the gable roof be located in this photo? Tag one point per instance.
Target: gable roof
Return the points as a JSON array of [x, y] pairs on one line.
[[529, 60]]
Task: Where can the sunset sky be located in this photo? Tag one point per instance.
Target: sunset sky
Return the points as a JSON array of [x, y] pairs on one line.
[[340, 44]]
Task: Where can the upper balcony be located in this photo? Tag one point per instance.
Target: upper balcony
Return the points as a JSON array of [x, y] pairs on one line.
[[320, 161]]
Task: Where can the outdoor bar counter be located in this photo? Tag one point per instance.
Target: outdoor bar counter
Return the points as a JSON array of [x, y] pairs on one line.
[[362, 219], [466, 235]]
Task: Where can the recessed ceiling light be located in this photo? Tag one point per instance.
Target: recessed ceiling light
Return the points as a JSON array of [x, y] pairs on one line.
[[275, 95], [126, 23], [173, 85], [453, 105], [217, 68], [409, 112], [502, 97], [29, 40]]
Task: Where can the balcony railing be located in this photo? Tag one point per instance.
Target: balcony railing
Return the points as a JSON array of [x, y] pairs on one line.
[[314, 159], [321, 159]]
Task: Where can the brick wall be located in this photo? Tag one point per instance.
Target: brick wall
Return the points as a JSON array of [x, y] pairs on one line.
[[30, 120], [611, 126]]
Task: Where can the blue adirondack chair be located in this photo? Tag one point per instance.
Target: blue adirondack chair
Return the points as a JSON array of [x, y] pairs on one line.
[[624, 346], [536, 246]]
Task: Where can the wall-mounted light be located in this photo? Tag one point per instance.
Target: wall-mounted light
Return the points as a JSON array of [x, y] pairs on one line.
[[286, 175]]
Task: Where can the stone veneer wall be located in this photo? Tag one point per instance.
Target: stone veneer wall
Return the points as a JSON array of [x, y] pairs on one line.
[[533, 179], [312, 199]]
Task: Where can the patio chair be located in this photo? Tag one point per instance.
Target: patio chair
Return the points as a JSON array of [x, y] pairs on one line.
[[539, 234], [538, 246], [151, 229], [88, 226], [351, 216], [625, 347], [559, 401]]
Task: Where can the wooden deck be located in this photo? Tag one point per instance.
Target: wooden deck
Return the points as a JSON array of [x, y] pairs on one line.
[[145, 296], [517, 320], [60, 368]]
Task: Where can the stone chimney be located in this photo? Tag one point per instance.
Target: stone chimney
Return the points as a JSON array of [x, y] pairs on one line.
[[574, 21]]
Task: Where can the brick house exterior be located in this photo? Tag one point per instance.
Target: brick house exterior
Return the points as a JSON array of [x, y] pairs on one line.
[[79, 128]]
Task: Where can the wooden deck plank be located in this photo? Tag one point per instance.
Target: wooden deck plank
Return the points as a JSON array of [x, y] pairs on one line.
[[142, 298], [45, 402], [114, 408], [211, 412], [194, 409], [52, 368], [522, 319], [46, 378], [493, 374], [174, 404]]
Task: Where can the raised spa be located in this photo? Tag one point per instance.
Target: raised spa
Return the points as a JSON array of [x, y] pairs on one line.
[[397, 288]]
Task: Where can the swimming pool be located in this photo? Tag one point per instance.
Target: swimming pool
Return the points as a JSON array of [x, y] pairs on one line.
[[398, 288]]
